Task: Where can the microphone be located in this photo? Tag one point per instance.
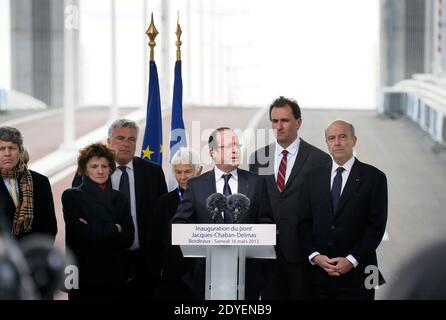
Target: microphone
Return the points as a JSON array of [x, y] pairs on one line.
[[46, 264], [238, 204], [216, 204], [15, 279], [31, 269]]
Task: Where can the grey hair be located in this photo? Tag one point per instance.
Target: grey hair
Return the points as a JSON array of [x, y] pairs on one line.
[[186, 156], [122, 123], [13, 135], [352, 128]]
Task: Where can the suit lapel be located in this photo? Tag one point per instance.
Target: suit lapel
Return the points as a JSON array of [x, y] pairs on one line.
[[138, 186], [242, 186], [302, 155], [210, 182], [265, 166], [325, 192], [353, 182], [210, 187]]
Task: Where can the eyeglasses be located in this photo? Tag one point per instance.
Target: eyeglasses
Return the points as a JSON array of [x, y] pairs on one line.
[[230, 146]]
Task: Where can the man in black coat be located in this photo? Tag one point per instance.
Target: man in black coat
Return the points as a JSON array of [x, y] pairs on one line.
[[284, 177], [12, 188], [142, 182], [343, 214], [224, 148]]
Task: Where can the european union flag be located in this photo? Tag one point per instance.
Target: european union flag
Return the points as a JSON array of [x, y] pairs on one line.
[[177, 133], [153, 135]]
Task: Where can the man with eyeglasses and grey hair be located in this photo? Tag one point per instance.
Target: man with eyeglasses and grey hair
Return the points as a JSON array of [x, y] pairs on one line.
[[142, 182], [226, 178]]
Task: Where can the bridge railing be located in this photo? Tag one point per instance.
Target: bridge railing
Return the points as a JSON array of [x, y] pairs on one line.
[[422, 99]]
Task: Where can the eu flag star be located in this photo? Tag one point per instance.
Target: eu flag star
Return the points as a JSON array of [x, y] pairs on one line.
[[148, 153]]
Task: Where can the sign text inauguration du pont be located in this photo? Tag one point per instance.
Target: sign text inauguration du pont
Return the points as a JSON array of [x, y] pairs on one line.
[[224, 234]]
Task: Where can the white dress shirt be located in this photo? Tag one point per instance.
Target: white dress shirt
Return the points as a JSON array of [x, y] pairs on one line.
[[220, 181], [292, 149], [116, 178], [348, 168]]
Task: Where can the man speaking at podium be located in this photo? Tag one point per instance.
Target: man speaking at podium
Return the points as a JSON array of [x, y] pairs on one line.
[[226, 178]]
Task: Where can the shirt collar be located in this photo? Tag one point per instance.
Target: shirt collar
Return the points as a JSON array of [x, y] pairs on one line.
[[128, 165], [292, 148], [347, 166], [219, 174]]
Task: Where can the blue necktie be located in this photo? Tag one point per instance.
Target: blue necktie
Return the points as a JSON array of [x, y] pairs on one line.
[[336, 188], [227, 192]]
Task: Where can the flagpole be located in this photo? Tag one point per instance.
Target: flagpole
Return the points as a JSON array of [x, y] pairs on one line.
[[153, 135], [178, 33], [114, 112], [145, 51], [177, 131], [152, 33]]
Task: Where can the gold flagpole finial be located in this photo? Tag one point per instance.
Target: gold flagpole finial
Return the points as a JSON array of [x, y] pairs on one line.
[[152, 33], [178, 33]]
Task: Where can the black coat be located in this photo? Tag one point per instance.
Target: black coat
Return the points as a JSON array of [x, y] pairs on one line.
[[284, 204], [44, 221], [193, 210], [193, 207], [98, 246], [150, 184], [356, 228], [174, 266]]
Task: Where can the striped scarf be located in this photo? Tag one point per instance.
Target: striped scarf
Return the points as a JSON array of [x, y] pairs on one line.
[[23, 216]]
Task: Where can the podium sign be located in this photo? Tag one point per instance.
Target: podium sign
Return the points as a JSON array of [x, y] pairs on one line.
[[225, 247], [224, 234]]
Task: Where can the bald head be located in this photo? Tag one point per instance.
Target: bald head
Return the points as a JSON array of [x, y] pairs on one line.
[[340, 138], [341, 122]]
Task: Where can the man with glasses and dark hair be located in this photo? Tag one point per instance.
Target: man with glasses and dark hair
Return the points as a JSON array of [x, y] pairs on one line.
[[226, 178]]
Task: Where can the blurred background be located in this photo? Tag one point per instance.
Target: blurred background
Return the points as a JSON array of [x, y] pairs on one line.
[[68, 68]]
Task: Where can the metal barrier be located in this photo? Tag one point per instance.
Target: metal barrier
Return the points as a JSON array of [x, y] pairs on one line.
[[422, 99]]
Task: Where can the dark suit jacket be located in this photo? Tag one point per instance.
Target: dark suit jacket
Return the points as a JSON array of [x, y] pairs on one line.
[[44, 216], [193, 210], [356, 228], [174, 266], [150, 184], [193, 207], [98, 246], [284, 204]]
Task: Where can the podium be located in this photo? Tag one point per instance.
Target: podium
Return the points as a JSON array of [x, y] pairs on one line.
[[225, 248]]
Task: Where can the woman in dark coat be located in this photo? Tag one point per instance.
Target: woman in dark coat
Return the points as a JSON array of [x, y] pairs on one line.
[[174, 279], [98, 226]]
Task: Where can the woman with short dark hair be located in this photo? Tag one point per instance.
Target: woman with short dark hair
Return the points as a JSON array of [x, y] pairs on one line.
[[98, 226]]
